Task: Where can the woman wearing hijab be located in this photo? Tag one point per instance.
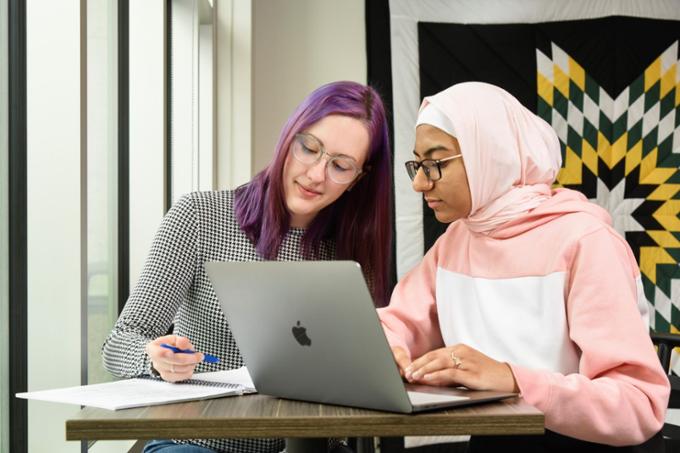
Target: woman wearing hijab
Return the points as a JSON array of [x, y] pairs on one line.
[[530, 289]]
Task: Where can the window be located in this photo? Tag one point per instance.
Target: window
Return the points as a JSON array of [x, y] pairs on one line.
[[4, 224], [102, 181], [191, 97]]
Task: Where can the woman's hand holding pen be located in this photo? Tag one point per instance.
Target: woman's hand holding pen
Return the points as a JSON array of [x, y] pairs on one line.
[[461, 365], [171, 366]]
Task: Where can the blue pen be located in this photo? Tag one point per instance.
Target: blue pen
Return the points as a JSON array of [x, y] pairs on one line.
[[206, 357]]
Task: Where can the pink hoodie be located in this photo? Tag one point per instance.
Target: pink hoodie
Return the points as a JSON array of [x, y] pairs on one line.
[[556, 293]]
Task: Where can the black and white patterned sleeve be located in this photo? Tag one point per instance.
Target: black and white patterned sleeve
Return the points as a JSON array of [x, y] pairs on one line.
[[162, 287]]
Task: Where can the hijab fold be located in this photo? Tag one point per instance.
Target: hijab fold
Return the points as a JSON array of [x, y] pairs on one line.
[[511, 156]]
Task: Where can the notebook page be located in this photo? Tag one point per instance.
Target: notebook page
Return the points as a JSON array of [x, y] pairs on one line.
[[138, 392]]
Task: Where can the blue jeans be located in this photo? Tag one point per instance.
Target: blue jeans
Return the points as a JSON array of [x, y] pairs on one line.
[[168, 446]]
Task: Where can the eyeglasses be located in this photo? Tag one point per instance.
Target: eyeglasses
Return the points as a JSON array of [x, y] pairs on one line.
[[307, 149], [431, 167]]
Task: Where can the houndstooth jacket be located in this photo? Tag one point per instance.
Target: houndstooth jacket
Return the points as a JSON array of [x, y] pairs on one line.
[[173, 288]]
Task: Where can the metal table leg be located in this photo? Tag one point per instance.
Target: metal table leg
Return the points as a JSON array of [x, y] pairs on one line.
[[364, 445], [306, 445]]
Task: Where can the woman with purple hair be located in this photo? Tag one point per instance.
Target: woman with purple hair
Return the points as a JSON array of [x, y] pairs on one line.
[[325, 195]]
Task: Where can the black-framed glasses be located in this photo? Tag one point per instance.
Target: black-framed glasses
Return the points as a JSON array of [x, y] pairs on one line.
[[308, 149], [431, 167]]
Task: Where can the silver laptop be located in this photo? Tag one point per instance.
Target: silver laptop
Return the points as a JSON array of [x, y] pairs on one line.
[[308, 331]]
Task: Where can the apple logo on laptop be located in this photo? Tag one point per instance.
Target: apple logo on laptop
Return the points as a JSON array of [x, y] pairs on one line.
[[300, 334]]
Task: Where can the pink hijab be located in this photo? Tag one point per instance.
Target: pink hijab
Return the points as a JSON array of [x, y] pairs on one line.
[[511, 156]]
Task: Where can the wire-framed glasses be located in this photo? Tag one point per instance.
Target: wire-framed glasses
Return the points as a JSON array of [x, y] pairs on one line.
[[431, 167], [308, 149]]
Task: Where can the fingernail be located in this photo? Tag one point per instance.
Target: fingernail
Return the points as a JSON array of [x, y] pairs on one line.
[[416, 375]]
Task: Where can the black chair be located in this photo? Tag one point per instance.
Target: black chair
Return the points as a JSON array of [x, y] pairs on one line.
[[665, 343]]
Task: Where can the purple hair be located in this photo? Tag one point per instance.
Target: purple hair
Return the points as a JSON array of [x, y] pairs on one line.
[[360, 220]]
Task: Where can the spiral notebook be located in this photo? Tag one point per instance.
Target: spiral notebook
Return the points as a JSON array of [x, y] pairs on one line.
[[149, 391]]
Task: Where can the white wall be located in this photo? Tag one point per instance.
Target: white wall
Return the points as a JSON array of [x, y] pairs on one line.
[[299, 45]]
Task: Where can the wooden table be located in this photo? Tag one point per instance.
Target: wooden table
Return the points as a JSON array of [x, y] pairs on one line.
[[305, 425]]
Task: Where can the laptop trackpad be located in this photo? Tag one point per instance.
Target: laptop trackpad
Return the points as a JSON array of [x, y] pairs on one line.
[[427, 399]]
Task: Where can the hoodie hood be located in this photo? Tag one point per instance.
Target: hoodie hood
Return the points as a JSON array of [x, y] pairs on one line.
[[562, 202]]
